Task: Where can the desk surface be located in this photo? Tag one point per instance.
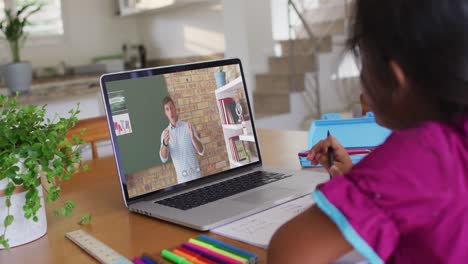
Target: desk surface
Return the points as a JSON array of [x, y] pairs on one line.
[[97, 191]]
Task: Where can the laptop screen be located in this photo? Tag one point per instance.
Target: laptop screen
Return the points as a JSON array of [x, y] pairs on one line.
[[175, 125]]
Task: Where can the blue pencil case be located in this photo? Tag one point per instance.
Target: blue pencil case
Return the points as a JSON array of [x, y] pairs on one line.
[[361, 132]]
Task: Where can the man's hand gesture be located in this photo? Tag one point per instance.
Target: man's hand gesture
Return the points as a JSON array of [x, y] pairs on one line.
[[166, 137]]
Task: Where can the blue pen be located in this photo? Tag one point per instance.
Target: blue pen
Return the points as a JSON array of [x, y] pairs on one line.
[[229, 247], [147, 260]]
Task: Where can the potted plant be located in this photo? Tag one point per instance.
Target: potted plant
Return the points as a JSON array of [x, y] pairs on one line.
[[220, 77], [31, 146], [18, 74]]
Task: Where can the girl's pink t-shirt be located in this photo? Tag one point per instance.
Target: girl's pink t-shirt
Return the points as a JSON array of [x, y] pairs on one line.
[[407, 201]]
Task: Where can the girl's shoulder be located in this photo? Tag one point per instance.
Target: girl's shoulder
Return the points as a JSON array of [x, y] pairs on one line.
[[433, 135], [419, 156]]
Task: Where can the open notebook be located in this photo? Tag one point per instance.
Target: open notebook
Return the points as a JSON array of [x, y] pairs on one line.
[[258, 229]]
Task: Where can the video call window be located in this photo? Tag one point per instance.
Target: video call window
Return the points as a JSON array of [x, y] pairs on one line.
[[178, 127]]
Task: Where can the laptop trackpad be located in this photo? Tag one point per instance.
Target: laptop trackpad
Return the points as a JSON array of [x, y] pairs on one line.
[[265, 195]]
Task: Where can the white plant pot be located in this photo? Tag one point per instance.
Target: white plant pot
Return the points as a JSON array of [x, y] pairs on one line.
[[22, 230]]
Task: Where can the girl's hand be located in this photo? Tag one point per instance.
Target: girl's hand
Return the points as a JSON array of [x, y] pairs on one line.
[[318, 154]]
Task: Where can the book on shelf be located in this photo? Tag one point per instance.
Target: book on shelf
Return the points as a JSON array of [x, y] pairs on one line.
[[233, 149], [228, 108], [241, 154], [220, 107], [237, 149], [231, 110], [223, 109]]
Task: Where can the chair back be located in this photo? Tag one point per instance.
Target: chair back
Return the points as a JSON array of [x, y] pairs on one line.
[[96, 130]]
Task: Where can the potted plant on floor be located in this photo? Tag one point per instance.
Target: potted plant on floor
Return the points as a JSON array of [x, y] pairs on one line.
[[32, 145], [18, 74]]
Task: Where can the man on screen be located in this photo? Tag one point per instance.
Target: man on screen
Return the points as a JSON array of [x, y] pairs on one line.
[[181, 142]]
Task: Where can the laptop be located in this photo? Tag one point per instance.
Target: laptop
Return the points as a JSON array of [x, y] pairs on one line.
[[186, 148]]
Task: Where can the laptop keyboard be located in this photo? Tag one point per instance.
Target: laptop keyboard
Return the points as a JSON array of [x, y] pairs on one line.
[[221, 190]]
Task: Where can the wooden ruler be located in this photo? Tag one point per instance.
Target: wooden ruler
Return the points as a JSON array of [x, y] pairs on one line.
[[97, 249]]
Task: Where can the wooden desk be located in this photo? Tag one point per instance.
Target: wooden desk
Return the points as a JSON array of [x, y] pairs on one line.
[[97, 191]]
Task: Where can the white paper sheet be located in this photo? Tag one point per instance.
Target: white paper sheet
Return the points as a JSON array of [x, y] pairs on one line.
[[258, 229]]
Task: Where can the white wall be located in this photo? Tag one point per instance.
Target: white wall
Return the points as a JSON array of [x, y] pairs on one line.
[[279, 11], [91, 105], [194, 29], [91, 27], [248, 34], [338, 78]]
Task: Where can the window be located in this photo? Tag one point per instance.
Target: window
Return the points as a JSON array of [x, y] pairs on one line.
[[46, 22], [2, 7]]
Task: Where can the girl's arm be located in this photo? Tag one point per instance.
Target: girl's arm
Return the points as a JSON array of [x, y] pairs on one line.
[[310, 237]]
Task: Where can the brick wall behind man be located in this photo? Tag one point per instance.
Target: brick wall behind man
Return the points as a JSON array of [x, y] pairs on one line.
[[194, 95]]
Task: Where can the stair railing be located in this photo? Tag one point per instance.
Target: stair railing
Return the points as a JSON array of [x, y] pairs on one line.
[[312, 84]]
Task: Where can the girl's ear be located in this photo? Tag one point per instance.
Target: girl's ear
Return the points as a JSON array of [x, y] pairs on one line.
[[401, 80]]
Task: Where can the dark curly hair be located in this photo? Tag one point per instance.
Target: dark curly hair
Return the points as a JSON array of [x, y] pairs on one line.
[[428, 39]]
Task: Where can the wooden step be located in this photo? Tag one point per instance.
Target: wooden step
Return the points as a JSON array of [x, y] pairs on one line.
[[331, 2], [302, 64], [305, 46], [278, 83], [271, 104], [328, 28], [326, 14], [324, 3], [323, 29]]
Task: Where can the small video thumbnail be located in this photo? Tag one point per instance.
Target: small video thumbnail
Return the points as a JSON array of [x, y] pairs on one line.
[[117, 102], [122, 124]]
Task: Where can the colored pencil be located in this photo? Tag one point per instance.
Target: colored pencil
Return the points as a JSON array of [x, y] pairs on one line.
[[136, 260], [209, 254], [189, 257], [230, 248], [195, 255], [219, 251]]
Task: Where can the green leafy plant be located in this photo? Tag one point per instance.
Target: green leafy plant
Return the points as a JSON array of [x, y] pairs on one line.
[[13, 26], [31, 145]]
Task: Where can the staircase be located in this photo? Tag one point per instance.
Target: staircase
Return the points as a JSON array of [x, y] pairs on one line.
[[296, 72], [273, 89]]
